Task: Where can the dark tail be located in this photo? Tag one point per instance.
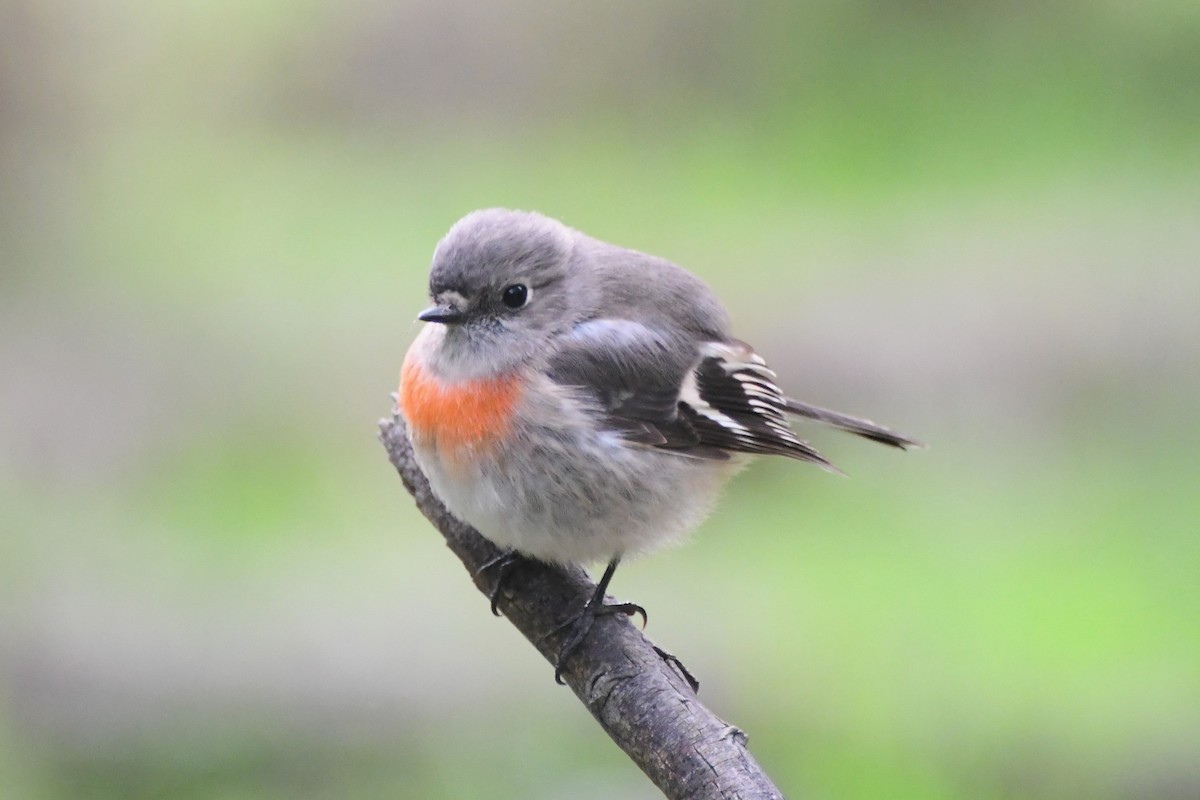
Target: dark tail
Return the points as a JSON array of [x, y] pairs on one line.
[[861, 427]]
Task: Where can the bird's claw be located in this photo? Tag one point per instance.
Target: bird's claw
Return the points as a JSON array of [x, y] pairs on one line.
[[683, 671], [581, 625], [504, 564]]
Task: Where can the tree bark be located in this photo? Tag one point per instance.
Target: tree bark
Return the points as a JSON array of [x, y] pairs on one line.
[[638, 698]]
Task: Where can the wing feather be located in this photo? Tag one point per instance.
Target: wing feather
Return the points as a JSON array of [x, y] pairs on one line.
[[734, 403], [634, 373], [658, 390]]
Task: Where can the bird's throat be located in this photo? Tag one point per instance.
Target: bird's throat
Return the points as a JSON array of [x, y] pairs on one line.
[[458, 418]]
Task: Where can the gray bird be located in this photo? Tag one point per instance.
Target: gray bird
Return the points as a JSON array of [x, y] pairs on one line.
[[577, 402]]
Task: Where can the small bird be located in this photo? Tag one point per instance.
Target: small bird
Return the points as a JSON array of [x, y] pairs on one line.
[[578, 402]]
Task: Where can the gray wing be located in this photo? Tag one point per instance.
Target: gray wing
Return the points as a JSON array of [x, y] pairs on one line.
[[732, 400], [634, 373], [660, 389]]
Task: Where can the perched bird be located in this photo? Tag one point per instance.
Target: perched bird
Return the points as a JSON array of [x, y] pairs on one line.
[[577, 402]]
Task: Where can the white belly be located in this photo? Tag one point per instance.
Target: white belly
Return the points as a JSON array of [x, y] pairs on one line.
[[589, 498]]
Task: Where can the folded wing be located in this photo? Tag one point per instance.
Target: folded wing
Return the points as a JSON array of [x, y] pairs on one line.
[[658, 390]]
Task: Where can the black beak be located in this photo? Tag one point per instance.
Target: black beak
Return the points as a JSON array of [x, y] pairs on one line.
[[445, 314]]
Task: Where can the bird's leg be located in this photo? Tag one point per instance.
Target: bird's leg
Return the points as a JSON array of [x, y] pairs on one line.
[[581, 623], [505, 564]]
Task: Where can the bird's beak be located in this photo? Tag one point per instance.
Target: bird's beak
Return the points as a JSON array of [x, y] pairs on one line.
[[443, 313]]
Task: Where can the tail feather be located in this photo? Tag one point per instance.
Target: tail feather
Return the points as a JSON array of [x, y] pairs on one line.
[[861, 427]]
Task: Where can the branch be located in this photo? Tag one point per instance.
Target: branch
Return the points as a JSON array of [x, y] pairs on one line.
[[640, 701]]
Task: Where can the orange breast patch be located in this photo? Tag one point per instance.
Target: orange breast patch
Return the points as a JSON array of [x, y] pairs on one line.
[[458, 418]]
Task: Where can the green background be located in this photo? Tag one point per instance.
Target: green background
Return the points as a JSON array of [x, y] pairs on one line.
[[975, 222]]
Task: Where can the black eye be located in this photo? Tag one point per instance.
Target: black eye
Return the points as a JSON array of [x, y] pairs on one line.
[[515, 296]]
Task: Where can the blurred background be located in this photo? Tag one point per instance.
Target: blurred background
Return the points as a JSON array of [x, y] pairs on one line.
[[975, 222]]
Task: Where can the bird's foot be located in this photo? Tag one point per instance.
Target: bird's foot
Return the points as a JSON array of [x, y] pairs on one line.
[[581, 624], [505, 565], [683, 671]]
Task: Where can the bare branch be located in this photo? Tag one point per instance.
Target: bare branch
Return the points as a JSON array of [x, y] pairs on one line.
[[641, 702]]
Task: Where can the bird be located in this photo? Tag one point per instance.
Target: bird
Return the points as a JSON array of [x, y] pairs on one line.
[[577, 402]]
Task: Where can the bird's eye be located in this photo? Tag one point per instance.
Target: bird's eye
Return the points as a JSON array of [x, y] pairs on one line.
[[515, 296]]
